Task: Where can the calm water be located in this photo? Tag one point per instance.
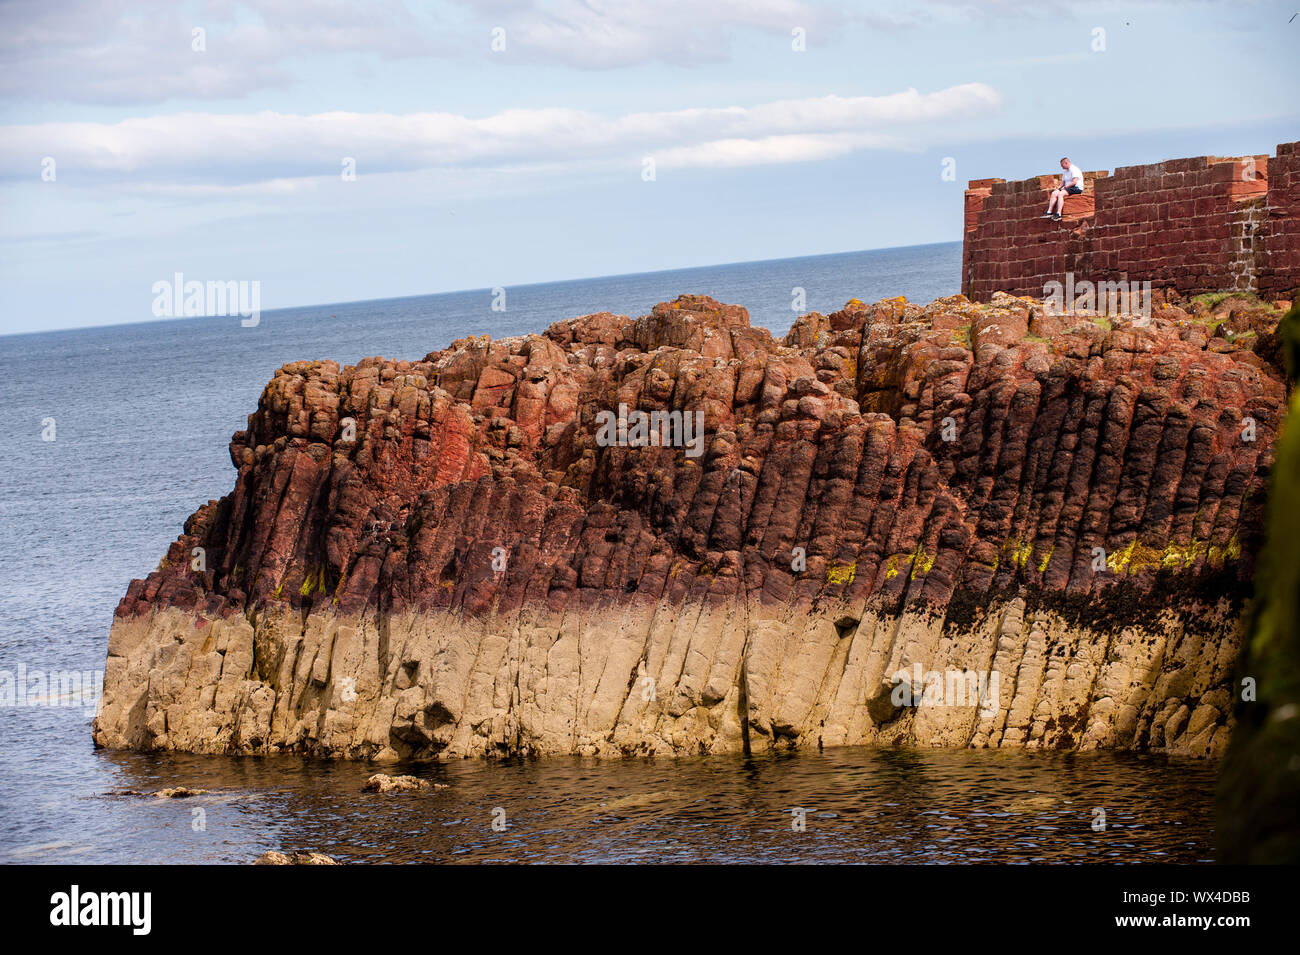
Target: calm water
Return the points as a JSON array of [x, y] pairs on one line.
[[859, 806], [143, 415]]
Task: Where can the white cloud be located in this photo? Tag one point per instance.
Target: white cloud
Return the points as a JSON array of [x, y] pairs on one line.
[[723, 153], [603, 34], [199, 149], [139, 51], [91, 51]]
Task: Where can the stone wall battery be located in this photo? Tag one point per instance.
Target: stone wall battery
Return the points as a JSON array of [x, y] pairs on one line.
[[1207, 224]]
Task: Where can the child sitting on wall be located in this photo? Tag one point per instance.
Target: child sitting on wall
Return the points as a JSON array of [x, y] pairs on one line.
[[1071, 185]]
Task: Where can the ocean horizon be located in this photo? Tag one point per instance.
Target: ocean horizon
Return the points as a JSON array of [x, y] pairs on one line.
[[923, 281]]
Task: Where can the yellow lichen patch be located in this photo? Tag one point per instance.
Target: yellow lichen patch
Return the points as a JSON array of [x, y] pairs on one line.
[[308, 583], [921, 561], [891, 569], [1019, 551], [1217, 555], [1181, 556], [841, 573], [1137, 557], [1118, 561], [1145, 557], [1042, 564]]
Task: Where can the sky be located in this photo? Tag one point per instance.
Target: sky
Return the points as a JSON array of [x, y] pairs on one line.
[[340, 151]]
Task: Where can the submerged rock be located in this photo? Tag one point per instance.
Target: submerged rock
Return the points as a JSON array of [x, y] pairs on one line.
[[179, 792], [489, 552], [379, 783], [295, 858]]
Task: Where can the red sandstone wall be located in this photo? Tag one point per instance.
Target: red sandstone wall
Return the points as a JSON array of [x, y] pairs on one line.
[[1279, 262], [1177, 224], [1195, 225], [1009, 246]]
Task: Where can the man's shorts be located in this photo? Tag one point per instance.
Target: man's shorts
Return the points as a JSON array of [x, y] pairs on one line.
[[1073, 190]]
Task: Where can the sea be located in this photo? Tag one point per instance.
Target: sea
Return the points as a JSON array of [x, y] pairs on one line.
[[111, 436]]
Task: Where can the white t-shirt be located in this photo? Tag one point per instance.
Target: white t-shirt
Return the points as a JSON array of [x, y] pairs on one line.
[[1073, 177]]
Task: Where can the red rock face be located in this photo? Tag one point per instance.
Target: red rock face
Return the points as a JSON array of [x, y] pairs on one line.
[[896, 459]]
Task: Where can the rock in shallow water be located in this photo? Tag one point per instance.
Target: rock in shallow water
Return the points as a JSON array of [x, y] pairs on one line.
[[295, 858], [179, 792], [379, 783]]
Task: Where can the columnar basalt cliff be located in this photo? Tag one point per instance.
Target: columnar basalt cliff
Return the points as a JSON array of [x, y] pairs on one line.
[[1206, 224], [438, 558]]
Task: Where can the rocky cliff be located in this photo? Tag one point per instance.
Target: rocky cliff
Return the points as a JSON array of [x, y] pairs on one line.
[[449, 557]]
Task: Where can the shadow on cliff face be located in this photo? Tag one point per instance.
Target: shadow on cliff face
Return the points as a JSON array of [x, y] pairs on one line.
[[1258, 802]]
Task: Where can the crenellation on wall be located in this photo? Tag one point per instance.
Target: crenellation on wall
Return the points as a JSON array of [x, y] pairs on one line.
[[1199, 224]]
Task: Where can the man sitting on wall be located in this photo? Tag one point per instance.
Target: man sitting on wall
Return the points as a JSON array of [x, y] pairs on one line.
[[1071, 185]]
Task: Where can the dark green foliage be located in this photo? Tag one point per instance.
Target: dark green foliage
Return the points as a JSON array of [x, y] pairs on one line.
[[1258, 803]]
